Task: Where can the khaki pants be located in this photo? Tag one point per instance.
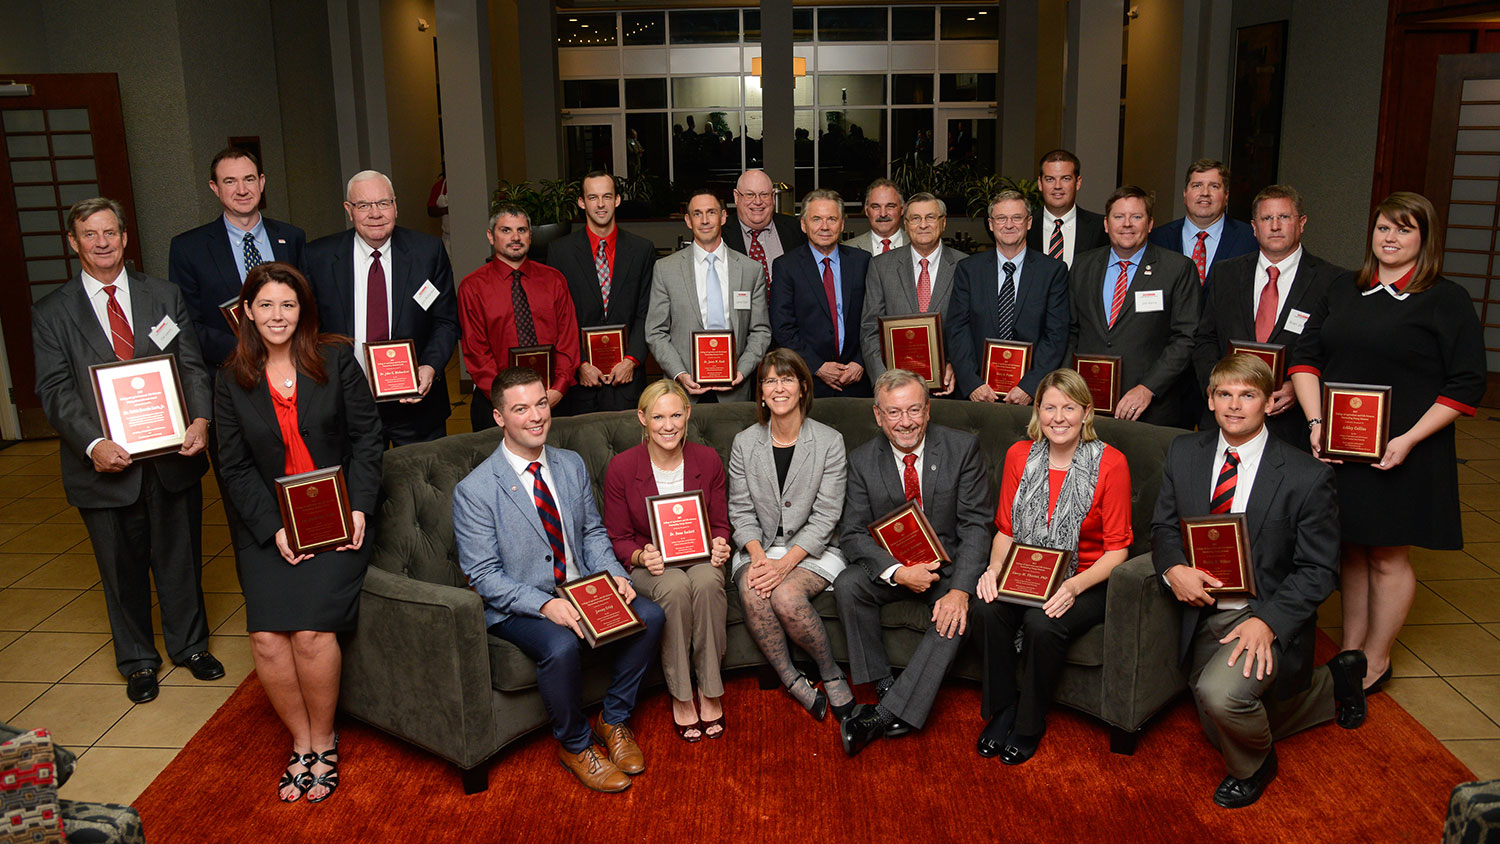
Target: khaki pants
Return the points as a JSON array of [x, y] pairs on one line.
[[693, 640]]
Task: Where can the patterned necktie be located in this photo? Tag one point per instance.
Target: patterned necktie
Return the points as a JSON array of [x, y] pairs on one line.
[[713, 298], [546, 509], [120, 335], [1055, 245], [252, 254], [601, 266], [913, 488], [1007, 302], [830, 290], [521, 306], [377, 318], [885, 245], [924, 288], [1224, 489], [1200, 257], [1121, 283], [758, 252], [1265, 311]]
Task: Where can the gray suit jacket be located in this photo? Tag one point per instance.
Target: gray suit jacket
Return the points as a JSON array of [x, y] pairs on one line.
[[807, 510], [891, 290], [871, 244], [672, 316], [68, 340]]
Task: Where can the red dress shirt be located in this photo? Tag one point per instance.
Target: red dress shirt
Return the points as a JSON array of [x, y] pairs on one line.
[[488, 323], [1105, 528], [298, 458]]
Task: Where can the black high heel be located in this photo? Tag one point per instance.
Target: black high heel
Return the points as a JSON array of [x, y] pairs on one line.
[[819, 707], [1379, 681], [328, 779], [302, 782], [840, 713]]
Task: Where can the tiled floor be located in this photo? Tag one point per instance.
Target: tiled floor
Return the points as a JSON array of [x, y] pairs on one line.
[[57, 665]]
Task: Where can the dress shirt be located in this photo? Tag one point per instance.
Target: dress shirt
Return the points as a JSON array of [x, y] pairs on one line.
[[898, 240], [1210, 244], [362, 261], [93, 288], [1069, 231], [262, 243], [770, 240], [1112, 272], [609, 247], [1288, 274], [1019, 260], [889, 575], [934, 261], [1244, 478], [668, 481], [838, 288], [487, 321], [1397, 288], [528, 482], [721, 268]]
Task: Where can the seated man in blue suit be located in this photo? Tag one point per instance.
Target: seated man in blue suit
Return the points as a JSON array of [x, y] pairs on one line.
[[525, 522], [816, 312]]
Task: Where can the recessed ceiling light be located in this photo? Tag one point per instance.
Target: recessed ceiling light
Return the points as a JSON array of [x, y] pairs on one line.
[[973, 19], [572, 20]]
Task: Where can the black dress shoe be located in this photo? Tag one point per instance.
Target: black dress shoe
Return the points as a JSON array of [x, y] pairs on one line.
[[883, 686], [204, 666], [1348, 672], [1237, 794], [141, 686], [993, 738], [1019, 748], [860, 728], [898, 728], [1380, 681]]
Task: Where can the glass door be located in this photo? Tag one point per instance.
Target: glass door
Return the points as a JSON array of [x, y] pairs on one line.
[[966, 135], [594, 142]]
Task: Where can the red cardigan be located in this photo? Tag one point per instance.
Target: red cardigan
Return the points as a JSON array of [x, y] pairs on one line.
[[1105, 528], [629, 480]]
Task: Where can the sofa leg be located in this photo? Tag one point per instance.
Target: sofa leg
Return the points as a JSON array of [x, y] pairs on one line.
[[475, 779], [766, 677], [1123, 741]]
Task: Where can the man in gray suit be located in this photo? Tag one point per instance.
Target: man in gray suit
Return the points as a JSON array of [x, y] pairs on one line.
[[952, 489], [707, 286], [883, 208], [894, 285], [144, 516]]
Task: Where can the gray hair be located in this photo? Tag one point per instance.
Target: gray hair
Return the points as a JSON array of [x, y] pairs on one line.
[[924, 196], [895, 379], [1008, 195], [884, 183], [822, 194], [86, 208], [365, 176], [509, 209]]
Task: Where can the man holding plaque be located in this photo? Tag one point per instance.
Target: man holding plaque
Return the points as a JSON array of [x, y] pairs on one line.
[[1012, 294], [513, 301], [144, 516], [609, 279], [1249, 656], [525, 524], [942, 472]]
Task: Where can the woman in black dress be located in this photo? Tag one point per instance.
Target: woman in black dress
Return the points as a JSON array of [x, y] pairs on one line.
[[1398, 323], [291, 400]]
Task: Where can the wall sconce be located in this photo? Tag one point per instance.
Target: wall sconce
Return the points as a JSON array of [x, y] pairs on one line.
[[799, 66]]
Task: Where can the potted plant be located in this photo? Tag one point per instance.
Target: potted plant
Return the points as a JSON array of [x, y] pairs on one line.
[[549, 202]]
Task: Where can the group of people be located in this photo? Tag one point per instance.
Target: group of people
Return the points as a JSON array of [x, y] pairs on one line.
[[288, 393]]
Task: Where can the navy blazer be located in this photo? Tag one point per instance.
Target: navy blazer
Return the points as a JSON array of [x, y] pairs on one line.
[[202, 264], [1237, 239], [1042, 316], [800, 315], [1089, 228]]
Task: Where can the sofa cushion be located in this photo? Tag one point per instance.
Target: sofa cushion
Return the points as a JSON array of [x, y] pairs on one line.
[[101, 823], [29, 810], [64, 758]]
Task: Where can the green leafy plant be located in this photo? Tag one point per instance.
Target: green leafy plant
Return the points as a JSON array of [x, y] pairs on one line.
[[957, 181], [981, 189], [546, 200]]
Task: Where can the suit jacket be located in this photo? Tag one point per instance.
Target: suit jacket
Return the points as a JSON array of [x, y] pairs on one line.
[[416, 259], [1237, 239], [802, 321], [891, 290], [1089, 228], [955, 497], [1157, 347], [672, 316], [788, 231], [1042, 316], [629, 480], [338, 423], [629, 284], [807, 507], [202, 264], [869, 243], [1293, 520], [501, 546], [68, 339]]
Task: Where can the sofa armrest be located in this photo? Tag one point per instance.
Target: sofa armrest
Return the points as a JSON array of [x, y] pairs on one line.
[[1142, 624], [417, 666]]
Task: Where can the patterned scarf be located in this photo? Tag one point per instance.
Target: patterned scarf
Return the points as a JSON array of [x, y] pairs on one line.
[[1028, 516]]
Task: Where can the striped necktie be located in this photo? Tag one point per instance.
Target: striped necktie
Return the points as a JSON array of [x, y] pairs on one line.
[[1224, 488], [1055, 245], [120, 335], [1006, 310], [601, 266], [546, 509]]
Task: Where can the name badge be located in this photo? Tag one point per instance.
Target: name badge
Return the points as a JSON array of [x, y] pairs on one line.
[[426, 294], [163, 333], [1149, 300], [742, 300], [1296, 320]]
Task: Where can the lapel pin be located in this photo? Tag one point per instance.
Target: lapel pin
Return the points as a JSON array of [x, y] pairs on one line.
[[1147, 268], [281, 240], [515, 489]]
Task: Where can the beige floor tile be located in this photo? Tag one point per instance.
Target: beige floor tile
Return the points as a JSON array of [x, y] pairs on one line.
[[1429, 608], [72, 571], [1404, 663], [46, 657], [1472, 449], [14, 463], [8, 636], [69, 516], [1481, 755], [219, 575], [45, 489], [1453, 649], [220, 606], [34, 447], [213, 514], [233, 651], [57, 539], [1479, 426], [15, 697], [22, 486], [1331, 611], [1488, 468], [1477, 599], [1485, 552], [216, 540], [1448, 565], [1480, 496], [13, 567], [76, 714], [171, 719], [43, 465], [23, 609], [116, 774], [9, 532], [98, 669], [1469, 475], [234, 625], [1480, 528], [1483, 692], [1441, 709], [86, 613], [30, 511]]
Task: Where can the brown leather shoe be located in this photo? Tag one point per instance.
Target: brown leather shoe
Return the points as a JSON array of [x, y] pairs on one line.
[[623, 751], [593, 770]]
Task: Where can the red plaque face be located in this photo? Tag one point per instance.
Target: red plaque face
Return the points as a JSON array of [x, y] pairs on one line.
[[1274, 354], [140, 405], [907, 535], [315, 510], [714, 357], [1356, 421], [1005, 362], [392, 366], [536, 358], [914, 343], [679, 526], [1219, 546], [1102, 375], [605, 346], [605, 615], [1031, 574]]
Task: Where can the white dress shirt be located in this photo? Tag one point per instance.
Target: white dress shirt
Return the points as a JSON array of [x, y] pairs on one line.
[[934, 261], [362, 259], [871, 242], [1288, 274], [700, 279], [528, 483], [1069, 231], [93, 288], [889, 575], [1244, 479]]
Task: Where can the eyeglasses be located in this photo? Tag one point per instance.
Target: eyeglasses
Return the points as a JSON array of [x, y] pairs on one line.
[[365, 207], [929, 219], [1267, 219], [894, 415], [765, 195], [1017, 219], [778, 381]]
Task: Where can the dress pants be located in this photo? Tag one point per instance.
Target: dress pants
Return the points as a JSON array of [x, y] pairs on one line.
[[693, 638], [557, 651], [860, 598], [403, 424], [1045, 643], [1240, 715], [159, 536], [605, 397]]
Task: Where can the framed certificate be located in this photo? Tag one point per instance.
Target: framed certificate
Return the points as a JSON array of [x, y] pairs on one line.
[[1030, 574], [1220, 546], [604, 346], [392, 366], [535, 358], [1102, 375], [605, 615], [140, 405], [315, 510], [906, 534], [1356, 421], [715, 355], [1274, 354], [1005, 362], [915, 343], [679, 526], [232, 311]]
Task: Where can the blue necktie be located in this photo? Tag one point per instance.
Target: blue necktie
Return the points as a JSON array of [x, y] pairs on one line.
[[252, 254], [713, 304]]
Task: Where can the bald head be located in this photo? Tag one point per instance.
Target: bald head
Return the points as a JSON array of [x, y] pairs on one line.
[[754, 198]]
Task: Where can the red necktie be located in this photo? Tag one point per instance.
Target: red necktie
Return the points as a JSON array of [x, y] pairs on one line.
[[1224, 489], [1200, 257], [1265, 312], [909, 480], [120, 335], [924, 288], [1055, 245], [758, 252], [833, 302], [546, 509], [377, 319], [885, 245], [1121, 283]]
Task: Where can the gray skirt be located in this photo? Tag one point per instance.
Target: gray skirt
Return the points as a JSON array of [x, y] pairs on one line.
[[827, 565]]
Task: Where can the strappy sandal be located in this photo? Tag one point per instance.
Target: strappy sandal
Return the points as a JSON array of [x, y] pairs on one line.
[[709, 725], [684, 729], [328, 779], [302, 782]]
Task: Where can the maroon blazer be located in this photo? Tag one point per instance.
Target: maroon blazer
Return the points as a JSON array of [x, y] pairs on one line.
[[628, 481]]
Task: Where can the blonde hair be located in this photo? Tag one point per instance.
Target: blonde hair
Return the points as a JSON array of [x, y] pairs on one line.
[[1242, 369], [655, 392], [1072, 385]]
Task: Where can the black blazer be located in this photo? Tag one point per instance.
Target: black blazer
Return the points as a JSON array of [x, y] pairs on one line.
[[338, 423], [788, 229], [801, 319], [1293, 518], [202, 264], [1088, 225], [416, 258], [629, 284], [1042, 316], [1237, 239]]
